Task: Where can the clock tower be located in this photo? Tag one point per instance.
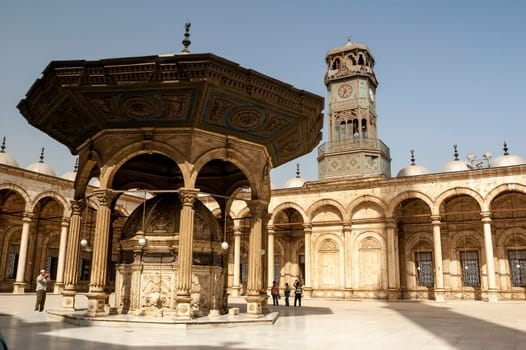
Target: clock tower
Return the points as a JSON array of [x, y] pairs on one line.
[[354, 148]]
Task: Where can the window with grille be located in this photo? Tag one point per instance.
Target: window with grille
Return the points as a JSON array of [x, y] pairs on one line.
[[244, 269], [424, 267], [276, 268], [517, 260], [12, 262], [470, 268]]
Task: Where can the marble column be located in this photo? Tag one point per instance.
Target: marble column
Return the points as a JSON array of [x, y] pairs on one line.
[[307, 288], [437, 255], [236, 283], [71, 268], [393, 289], [270, 258], [59, 283], [347, 260], [490, 258], [183, 298], [20, 283], [257, 297], [99, 265]]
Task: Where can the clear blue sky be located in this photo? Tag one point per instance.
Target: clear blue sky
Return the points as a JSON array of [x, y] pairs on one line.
[[450, 72]]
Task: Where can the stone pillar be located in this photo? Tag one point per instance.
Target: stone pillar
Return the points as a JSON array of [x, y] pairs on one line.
[[71, 271], [236, 283], [59, 283], [270, 258], [347, 270], [183, 298], [393, 288], [490, 259], [20, 284], [437, 255], [307, 288], [99, 265], [257, 297]]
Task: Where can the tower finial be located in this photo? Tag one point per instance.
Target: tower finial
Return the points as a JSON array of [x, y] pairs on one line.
[[505, 149], [412, 157], [186, 40], [298, 170], [456, 152], [2, 149], [76, 167], [349, 40], [42, 156]]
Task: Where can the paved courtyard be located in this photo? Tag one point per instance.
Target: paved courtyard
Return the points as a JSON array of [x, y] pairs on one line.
[[316, 325]]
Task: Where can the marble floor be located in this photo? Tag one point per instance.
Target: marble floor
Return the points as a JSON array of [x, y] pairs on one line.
[[316, 325]]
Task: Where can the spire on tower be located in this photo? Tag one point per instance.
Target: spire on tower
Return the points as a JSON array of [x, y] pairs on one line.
[[186, 40]]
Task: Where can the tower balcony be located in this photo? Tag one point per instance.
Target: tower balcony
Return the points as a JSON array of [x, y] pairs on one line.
[[353, 158], [357, 144]]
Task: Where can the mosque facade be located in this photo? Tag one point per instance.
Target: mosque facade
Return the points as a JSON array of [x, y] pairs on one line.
[[355, 233]]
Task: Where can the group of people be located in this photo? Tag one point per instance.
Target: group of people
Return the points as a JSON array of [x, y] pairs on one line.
[[298, 293]]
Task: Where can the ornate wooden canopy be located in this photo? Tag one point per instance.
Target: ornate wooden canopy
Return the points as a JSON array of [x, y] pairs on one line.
[[74, 101]]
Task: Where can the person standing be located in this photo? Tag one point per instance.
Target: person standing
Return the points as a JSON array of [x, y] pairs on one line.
[[297, 293], [41, 290], [274, 291], [287, 294]]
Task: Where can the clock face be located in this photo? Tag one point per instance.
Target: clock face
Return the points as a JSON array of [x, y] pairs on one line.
[[344, 91], [371, 95]]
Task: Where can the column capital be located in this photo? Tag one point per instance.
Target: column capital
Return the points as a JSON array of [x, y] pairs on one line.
[[104, 196], [257, 208], [307, 227], [486, 216], [270, 230], [347, 227], [188, 196], [26, 216], [77, 206], [390, 222], [435, 219]]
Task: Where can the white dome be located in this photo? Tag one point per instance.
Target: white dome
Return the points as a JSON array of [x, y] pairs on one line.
[[70, 175], [295, 182], [507, 160], [94, 182], [42, 168], [7, 159], [456, 165], [412, 170]]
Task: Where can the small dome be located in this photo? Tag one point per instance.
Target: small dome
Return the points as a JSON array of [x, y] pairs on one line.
[[456, 164], [41, 167], [507, 159], [71, 175], [6, 158], [413, 169], [94, 182], [295, 181]]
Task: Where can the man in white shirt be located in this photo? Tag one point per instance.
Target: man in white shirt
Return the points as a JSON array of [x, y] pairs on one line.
[[41, 290]]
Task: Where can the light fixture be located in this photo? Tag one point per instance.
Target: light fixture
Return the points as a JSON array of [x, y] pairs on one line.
[[224, 244], [263, 251], [140, 233], [84, 243]]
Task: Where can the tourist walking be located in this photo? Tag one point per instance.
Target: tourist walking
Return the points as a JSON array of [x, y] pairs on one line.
[[287, 294], [41, 290], [297, 293], [274, 291]]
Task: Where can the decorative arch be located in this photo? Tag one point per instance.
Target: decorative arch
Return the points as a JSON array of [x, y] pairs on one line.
[[377, 202], [21, 191], [390, 210], [460, 191], [287, 205], [339, 210], [54, 195], [501, 189]]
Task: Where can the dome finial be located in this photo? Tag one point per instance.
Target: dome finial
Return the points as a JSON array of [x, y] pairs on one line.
[[42, 156], [298, 171], [456, 152], [186, 40], [76, 167], [505, 149], [349, 40], [412, 157], [2, 149]]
